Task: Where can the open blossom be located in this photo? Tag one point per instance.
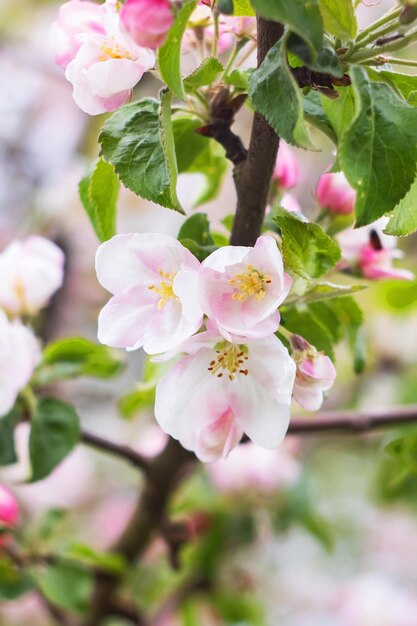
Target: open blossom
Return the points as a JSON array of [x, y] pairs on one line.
[[315, 374], [31, 271], [201, 28], [107, 67], [19, 356], [9, 511], [285, 173], [334, 193], [75, 18], [241, 287], [148, 21], [372, 252], [153, 279], [220, 390]]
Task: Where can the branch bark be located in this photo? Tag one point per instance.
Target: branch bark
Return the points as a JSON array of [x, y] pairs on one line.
[[121, 451]]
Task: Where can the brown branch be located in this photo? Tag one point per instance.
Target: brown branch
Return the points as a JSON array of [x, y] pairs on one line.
[[353, 422], [123, 452]]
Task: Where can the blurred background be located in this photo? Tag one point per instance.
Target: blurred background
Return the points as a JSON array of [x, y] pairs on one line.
[[323, 531]]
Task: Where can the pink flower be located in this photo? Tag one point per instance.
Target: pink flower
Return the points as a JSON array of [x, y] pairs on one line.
[[286, 167], [31, 271], [315, 374], [9, 508], [75, 18], [240, 288], [19, 356], [372, 252], [153, 279], [201, 28], [148, 21], [107, 67], [334, 194], [252, 467], [222, 389]]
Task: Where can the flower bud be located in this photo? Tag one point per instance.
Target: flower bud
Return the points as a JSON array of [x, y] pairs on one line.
[[286, 168], [9, 512], [315, 374], [334, 194], [148, 21]]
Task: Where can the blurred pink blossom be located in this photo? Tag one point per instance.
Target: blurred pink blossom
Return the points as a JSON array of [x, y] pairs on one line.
[[286, 172], [241, 287], [148, 21], [334, 193], [315, 374], [201, 28], [253, 467], [31, 271], [9, 511], [290, 203]]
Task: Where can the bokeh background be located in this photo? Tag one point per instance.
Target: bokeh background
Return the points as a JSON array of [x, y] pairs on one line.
[[323, 531]]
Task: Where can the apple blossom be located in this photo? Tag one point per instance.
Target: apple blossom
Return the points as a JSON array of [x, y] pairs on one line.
[[19, 356], [9, 508], [148, 21], [153, 279], [31, 271], [75, 18], [106, 68], [334, 193], [241, 287], [372, 252], [201, 29], [285, 173], [221, 389], [315, 374]]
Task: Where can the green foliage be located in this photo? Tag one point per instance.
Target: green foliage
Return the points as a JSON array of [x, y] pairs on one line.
[[378, 151], [76, 356], [169, 55], [13, 582], [195, 235], [243, 8], [137, 141], [143, 396], [275, 94], [86, 555], [403, 220], [404, 84], [54, 433], [307, 249], [339, 18], [67, 585], [239, 79], [315, 114], [302, 17], [8, 424], [340, 111], [197, 154], [98, 191], [205, 74], [324, 291]]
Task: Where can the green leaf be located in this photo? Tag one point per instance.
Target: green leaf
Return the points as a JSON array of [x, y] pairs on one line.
[[314, 113], [8, 424], [169, 55], [326, 62], [13, 582], [205, 74], [54, 433], [305, 322], [404, 84], [324, 291], [308, 250], [99, 191], [168, 143], [301, 17], [197, 154], [403, 221], [340, 111], [199, 251], [86, 555], [378, 151], [76, 356], [243, 8], [238, 79], [275, 94], [136, 140], [197, 228], [339, 18], [67, 585], [142, 397]]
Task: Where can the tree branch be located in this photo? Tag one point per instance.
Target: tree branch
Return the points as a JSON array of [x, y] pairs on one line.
[[123, 452]]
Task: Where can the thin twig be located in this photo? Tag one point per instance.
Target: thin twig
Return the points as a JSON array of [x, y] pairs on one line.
[[119, 450]]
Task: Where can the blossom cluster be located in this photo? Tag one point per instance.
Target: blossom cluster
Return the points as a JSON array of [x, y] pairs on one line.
[[234, 376]]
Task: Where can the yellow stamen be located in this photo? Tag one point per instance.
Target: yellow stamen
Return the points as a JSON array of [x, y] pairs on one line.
[[114, 52], [250, 284], [164, 289], [230, 357]]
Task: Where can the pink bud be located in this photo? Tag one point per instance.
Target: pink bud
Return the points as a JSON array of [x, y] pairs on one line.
[[286, 168], [315, 374], [334, 193], [9, 511], [377, 264], [148, 21]]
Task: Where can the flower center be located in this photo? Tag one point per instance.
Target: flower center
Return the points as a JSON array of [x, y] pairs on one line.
[[250, 284], [230, 357], [114, 52], [164, 289]]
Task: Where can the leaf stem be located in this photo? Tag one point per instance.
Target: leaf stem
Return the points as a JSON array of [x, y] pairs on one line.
[[385, 19]]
